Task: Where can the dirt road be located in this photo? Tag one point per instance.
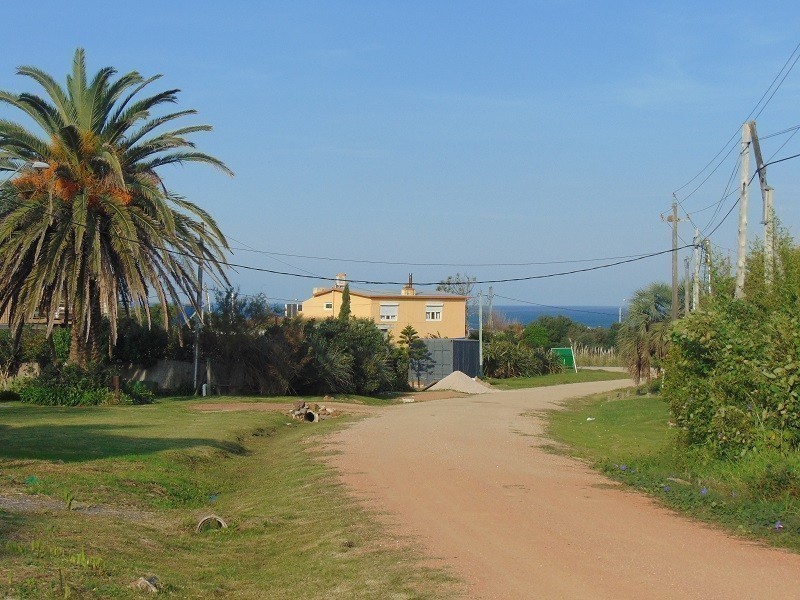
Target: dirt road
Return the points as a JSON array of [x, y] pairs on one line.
[[468, 478]]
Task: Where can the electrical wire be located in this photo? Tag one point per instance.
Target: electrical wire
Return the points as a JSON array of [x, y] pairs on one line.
[[429, 264], [734, 136], [228, 264], [564, 308]]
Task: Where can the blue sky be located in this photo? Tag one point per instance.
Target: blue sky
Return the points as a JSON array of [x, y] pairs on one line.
[[463, 133]]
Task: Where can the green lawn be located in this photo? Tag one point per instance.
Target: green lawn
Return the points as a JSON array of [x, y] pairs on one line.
[[630, 440], [516, 383], [157, 469]]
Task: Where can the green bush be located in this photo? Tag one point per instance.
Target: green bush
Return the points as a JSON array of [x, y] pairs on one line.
[[654, 387], [68, 386], [503, 358], [733, 377], [139, 392], [9, 396]]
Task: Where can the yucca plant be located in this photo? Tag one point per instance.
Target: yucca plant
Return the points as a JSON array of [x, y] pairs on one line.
[[86, 222]]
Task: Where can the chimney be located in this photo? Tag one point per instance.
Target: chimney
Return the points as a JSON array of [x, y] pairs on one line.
[[408, 289], [341, 280]]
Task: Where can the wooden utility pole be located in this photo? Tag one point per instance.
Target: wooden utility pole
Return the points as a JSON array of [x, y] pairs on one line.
[[742, 238], [696, 274], [768, 216]]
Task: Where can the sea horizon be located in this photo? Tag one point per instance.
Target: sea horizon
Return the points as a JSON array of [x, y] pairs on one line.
[[591, 316]]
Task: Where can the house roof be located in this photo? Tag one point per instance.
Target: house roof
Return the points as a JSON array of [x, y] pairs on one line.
[[392, 295]]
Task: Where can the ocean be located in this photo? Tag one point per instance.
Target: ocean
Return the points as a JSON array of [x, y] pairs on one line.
[[591, 316]]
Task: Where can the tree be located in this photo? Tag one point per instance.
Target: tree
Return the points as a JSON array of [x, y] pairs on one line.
[[460, 285], [408, 335], [642, 339], [232, 337], [344, 310], [96, 228]]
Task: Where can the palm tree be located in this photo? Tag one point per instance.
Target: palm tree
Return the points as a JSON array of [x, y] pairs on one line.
[[642, 339], [95, 228]]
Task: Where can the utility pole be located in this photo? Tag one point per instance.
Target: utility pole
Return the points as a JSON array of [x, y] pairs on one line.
[[491, 298], [696, 277], [673, 218], [742, 237], [198, 325], [208, 357], [480, 334], [709, 290], [687, 307], [768, 216]]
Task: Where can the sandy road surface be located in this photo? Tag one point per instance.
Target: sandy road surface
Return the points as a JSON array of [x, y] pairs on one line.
[[468, 478]]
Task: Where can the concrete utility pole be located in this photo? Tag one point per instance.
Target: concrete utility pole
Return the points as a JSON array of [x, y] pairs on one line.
[[696, 274], [480, 334], [709, 290], [673, 218], [742, 238], [768, 217], [687, 307], [198, 324], [491, 299]]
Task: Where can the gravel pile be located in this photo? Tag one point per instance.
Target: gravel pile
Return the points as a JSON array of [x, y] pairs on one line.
[[459, 382]]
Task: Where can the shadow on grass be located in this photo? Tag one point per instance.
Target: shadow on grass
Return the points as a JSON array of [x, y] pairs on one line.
[[76, 443]]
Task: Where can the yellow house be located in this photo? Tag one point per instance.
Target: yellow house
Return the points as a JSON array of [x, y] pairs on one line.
[[430, 314]]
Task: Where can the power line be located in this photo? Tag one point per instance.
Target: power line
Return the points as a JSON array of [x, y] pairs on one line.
[[429, 264], [233, 265], [735, 135], [564, 308], [735, 204]]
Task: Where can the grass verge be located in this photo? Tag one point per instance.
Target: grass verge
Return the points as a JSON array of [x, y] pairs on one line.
[[630, 440], [516, 383], [126, 485]]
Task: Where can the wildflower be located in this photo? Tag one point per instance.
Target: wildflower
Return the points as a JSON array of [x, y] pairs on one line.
[[666, 488], [703, 491], [623, 467], [778, 526]]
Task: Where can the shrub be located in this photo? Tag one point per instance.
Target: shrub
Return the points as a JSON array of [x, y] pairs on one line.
[[68, 386], [654, 387], [9, 396], [733, 377], [503, 358], [138, 392]]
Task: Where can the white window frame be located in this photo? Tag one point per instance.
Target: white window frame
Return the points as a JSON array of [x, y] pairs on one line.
[[328, 306], [390, 315], [433, 312]]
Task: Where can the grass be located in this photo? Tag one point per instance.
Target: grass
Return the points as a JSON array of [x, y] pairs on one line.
[[158, 469], [516, 383], [630, 440]]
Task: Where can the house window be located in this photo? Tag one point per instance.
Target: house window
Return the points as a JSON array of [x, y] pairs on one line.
[[433, 312], [389, 312], [329, 306]]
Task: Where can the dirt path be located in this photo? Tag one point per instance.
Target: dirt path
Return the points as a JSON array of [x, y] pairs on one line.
[[468, 478]]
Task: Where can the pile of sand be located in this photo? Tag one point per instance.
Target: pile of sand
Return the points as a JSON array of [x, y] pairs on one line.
[[459, 382]]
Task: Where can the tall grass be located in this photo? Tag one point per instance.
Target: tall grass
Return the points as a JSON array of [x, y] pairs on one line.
[[597, 356]]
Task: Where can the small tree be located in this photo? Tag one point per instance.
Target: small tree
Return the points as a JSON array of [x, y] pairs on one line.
[[344, 310], [419, 359]]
